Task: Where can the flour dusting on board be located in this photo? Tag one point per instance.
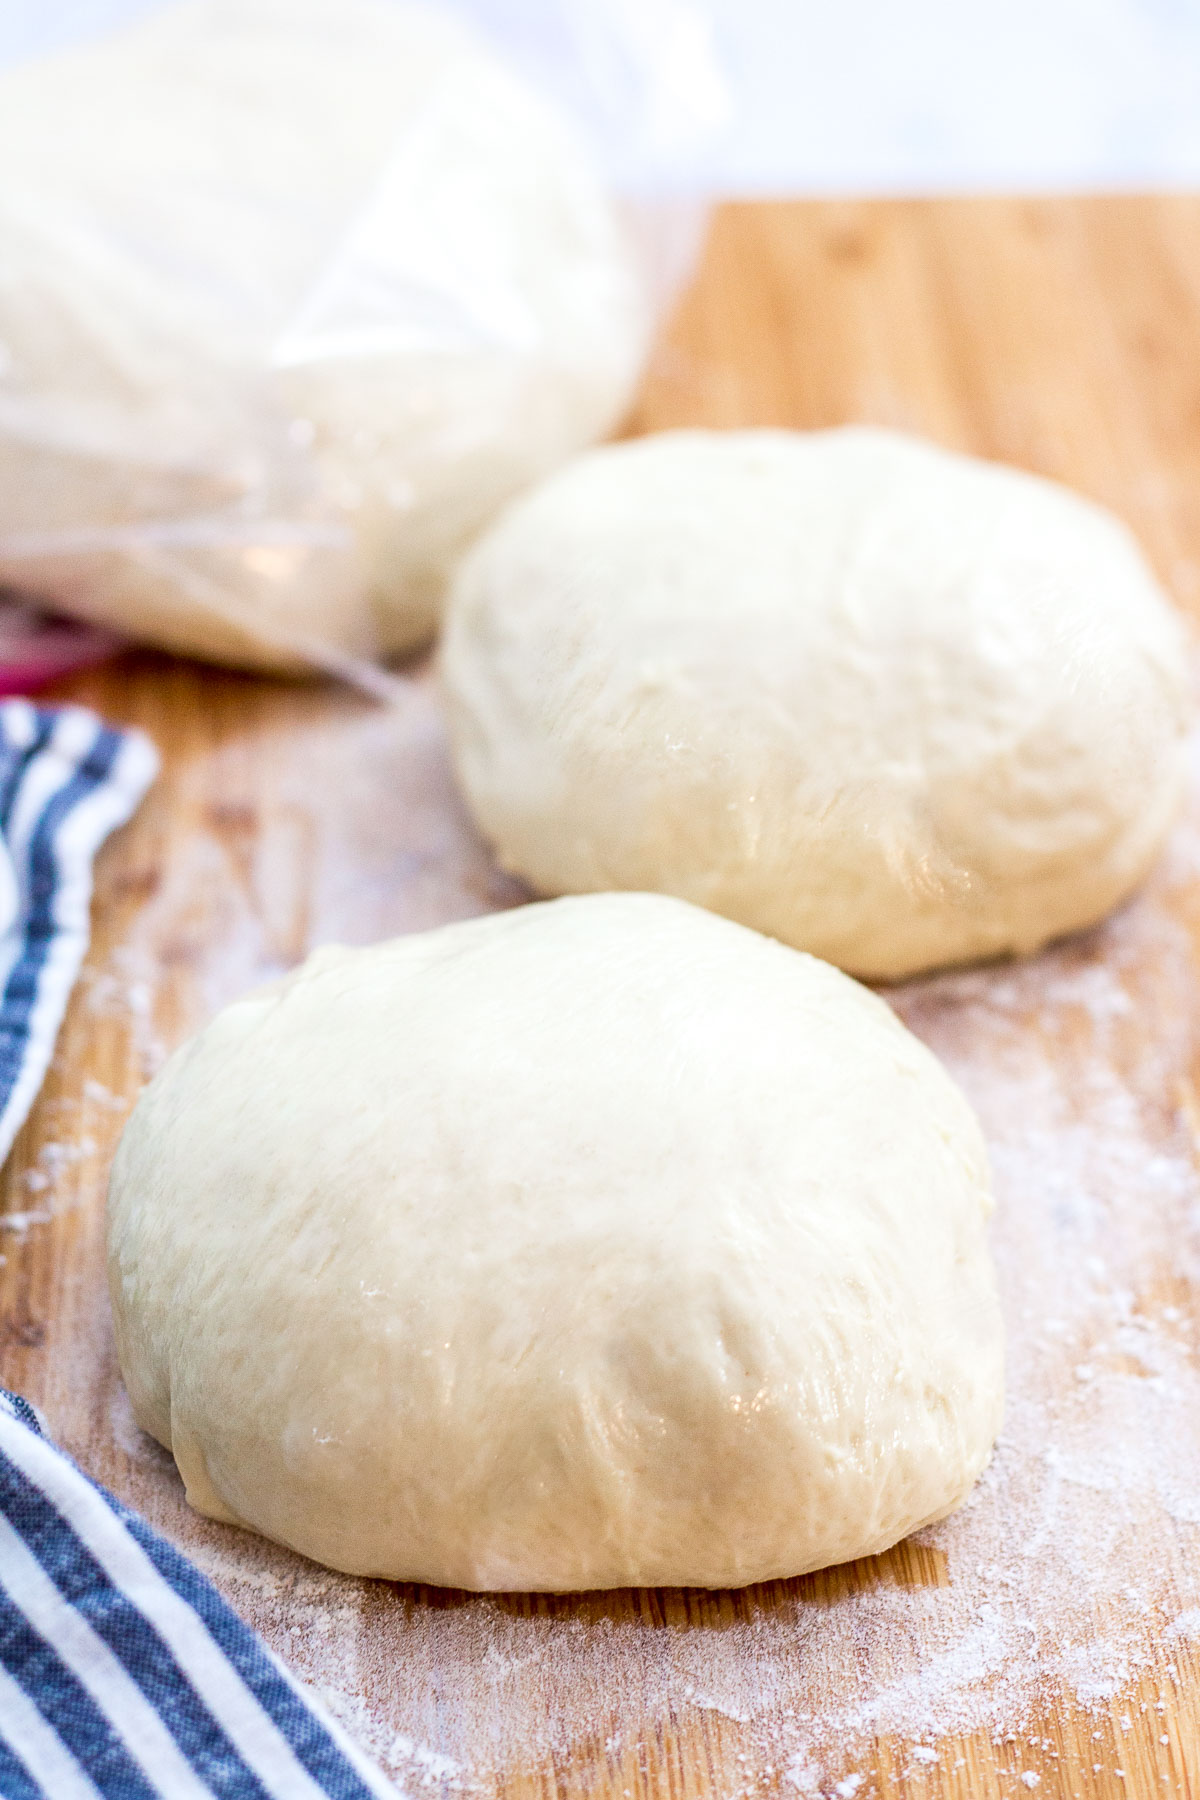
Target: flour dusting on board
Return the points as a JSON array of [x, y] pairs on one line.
[[1078, 1550]]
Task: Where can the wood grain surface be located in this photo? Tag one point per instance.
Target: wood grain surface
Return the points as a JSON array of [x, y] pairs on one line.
[[1060, 335]]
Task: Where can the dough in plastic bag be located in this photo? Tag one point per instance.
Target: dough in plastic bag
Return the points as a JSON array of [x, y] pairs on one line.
[[293, 294]]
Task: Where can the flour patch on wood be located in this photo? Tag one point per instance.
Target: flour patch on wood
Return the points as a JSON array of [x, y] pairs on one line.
[[1075, 1557]]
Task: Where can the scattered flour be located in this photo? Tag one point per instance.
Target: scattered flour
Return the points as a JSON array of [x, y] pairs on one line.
[[20, 1222], [56, 1179], [1076, 1555], [1079, 1553]]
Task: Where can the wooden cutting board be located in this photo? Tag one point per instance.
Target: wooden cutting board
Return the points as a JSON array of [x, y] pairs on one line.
[[1046, 1639]]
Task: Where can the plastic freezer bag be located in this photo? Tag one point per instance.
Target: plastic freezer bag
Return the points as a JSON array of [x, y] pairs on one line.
[[293, 295]]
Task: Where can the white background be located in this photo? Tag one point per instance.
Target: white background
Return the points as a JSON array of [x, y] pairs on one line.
[[848, 96]]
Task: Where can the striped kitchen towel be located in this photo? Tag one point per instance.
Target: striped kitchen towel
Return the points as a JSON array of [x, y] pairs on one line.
[[66, 780], [123, 1673]]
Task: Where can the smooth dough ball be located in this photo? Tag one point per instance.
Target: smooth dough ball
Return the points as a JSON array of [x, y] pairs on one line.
[[293, 294], [894, 706], [598, 1243]]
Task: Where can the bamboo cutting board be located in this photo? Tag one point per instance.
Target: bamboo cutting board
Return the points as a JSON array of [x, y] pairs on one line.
[[1047, 1638]]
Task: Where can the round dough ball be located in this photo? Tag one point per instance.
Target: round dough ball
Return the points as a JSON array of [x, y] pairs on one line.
[[894, 706], [597, 1243], [293, 295]]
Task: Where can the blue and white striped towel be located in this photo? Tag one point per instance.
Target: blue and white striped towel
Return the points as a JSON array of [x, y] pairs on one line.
[[66, 780], [123, 1674]]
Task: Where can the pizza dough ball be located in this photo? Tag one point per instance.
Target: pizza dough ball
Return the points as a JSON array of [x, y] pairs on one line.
[[597, 1243], [892, 705], [293, 294]]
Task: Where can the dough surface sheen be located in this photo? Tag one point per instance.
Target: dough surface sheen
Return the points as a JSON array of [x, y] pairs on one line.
[[598, 1243], [895, 706]]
